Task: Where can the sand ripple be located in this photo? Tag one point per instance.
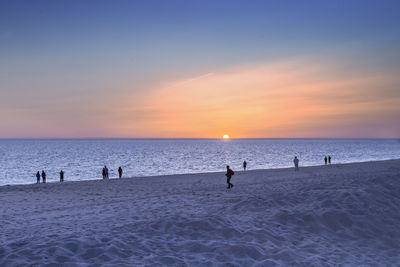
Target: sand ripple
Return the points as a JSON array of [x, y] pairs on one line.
[[319, 216]]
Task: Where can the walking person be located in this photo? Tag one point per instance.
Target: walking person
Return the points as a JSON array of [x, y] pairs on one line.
[[326, 160], [104, 172], [228, 175], [38, 177], [43, 177], [244, 165], [296, 163], [329, 159], [120, 172], [61, 176]]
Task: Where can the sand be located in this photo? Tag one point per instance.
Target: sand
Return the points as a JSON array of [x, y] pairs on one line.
[[345, 214]]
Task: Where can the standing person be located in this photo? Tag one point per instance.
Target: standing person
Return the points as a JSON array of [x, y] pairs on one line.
[[61, 176], [104, 172], [329, 159], [326, 160], [38, 177], [43, 177], [120, 172], [296, 163], [228, 175], [244, 165]]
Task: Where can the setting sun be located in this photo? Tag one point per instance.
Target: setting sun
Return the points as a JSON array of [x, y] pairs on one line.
[[225, 136]]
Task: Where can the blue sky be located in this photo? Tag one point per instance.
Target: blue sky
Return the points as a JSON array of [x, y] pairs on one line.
[[86, 54]]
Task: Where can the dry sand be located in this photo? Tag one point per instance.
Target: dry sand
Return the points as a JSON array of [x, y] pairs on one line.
[[324, 215]]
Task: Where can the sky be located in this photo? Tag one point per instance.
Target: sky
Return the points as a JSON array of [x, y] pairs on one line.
[[200, 69]]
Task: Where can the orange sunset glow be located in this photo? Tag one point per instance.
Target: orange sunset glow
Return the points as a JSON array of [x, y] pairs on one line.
[[284, 99]]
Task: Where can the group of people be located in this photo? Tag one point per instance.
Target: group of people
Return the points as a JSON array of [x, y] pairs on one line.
[[105, 172], [296, 162], [229, 172], [38, 177], [327, 160], [43, 175]]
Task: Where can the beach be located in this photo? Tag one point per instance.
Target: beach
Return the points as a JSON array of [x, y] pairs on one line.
[[340, 214]]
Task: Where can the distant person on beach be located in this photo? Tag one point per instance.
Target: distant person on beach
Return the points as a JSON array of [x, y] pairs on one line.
[[106, 172], [61, 176], [326, 160], [38, 177], [244, 165], [329, 159], [120, 172], [228, 175], [296, 163], [43, 177]]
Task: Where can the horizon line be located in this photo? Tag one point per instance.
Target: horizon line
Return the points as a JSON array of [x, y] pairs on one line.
[[188, 138]]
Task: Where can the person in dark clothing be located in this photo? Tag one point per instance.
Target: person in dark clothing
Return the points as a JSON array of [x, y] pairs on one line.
[[104, 172], [296, 163], [228, 175], [244, 165], [61, 176], [329, 159], [120, 172], [326, 160], [38, 177], [43, 177]]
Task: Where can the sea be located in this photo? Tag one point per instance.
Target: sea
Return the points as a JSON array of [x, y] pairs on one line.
[[83, 159]]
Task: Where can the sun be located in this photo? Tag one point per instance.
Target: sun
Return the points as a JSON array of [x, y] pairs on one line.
[[225, 136]]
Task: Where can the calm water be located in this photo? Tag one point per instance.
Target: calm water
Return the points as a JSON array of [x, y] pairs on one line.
[[83, 159]]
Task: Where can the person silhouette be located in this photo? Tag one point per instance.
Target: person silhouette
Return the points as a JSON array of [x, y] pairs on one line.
[[228, 175], [296, 163], [244, 165], [38, 177], [326, 160], [329, 159], [61, 176], [120, 172], [43, 177], [104, 172]]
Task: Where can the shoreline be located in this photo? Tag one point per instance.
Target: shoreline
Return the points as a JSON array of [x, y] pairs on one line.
[[191, 174], [342, 214], [198, 138]]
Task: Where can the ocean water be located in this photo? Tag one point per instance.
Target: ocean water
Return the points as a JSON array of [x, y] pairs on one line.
[[83, 159]]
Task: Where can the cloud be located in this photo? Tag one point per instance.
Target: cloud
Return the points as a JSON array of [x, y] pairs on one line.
[[306, 98], [301, 97]]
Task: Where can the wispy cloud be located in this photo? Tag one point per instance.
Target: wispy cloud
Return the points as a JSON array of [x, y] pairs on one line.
[[282, 99]]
